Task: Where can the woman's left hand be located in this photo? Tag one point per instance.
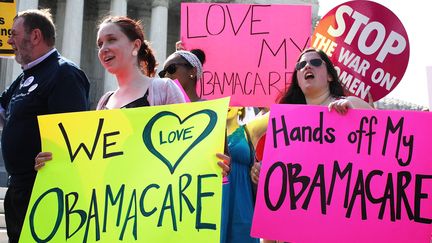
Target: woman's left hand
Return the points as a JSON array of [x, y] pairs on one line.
[[341, 106], [225, 164]]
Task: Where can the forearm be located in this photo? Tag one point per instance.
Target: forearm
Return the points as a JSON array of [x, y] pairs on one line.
[[358, 103], [258, 127]]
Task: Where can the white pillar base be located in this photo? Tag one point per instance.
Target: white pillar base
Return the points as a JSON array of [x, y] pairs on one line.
[[159, 29], [72, 35]]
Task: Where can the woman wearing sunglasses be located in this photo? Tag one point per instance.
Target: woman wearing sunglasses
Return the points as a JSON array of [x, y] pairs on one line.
[[125, 53], [315, 82], [186, 67]]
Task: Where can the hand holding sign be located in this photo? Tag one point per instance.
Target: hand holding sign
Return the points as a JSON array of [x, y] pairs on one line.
[[163, 186]]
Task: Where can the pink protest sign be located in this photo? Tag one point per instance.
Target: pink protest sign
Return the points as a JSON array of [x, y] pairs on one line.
[[362, 177], [368, 45], [429, 82], [251, 50], [182, 90]]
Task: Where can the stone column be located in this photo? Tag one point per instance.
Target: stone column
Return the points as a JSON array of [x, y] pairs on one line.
[[60, 23], [71, 45], [13, 68], [117, 7], [159, 29], [27, 4]]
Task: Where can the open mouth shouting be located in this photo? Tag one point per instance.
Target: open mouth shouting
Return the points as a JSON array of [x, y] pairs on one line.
[[309, 75]]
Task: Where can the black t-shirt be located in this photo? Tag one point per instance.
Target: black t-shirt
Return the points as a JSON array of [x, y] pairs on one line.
[[55, 85]]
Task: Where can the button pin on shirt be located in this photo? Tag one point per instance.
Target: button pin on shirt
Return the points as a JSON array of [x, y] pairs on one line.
[[33, 87], [27, 82]]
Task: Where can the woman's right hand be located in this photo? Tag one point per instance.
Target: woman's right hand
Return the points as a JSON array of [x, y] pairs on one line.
[[179, 46], [41, 158], [255, 171]]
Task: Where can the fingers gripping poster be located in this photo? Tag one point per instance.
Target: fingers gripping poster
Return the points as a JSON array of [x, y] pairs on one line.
[[362, 177], [130, 175]]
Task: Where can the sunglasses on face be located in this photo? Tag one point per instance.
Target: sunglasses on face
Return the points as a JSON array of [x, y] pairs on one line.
[[314, 62], [172, 68]]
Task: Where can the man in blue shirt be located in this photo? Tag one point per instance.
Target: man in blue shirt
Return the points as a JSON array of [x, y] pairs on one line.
[[49, 84]]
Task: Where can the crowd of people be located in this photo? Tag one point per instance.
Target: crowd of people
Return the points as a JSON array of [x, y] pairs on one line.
[[51, 84]]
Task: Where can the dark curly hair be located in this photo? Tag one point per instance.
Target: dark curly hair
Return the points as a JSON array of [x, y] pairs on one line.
[[294, 94]]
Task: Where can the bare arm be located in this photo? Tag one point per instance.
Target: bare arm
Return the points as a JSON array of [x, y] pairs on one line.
[[358, 103], [341, 106], [257, 127]]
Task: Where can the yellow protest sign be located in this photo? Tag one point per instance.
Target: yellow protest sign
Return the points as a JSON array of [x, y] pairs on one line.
[[7, 13], [132, 175]]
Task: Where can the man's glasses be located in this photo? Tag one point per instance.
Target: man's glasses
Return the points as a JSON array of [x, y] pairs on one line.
[[172, 68], [314, 62]]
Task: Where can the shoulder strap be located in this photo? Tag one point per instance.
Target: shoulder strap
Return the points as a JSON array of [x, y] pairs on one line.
[[251, 147], [104, 100]]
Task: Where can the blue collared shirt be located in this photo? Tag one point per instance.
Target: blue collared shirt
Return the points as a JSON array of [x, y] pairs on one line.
[[37, 61]]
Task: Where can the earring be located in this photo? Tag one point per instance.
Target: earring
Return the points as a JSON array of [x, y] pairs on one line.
[[135, 53], [191, 76], [239, 113]]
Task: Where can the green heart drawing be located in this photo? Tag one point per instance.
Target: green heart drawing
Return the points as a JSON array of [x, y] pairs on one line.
[[149, 143]]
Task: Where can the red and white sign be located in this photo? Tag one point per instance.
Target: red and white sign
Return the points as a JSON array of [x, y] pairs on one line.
[[368, 45]]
